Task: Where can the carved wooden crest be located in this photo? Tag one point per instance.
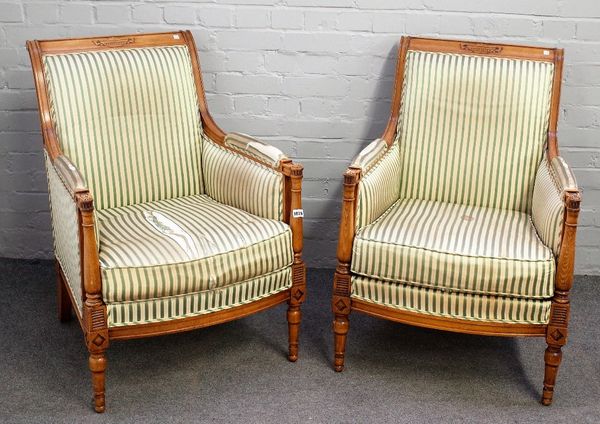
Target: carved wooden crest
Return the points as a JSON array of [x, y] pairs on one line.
[[114, 42], [480, 48]]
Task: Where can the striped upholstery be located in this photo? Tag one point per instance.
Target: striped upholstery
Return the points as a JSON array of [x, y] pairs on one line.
[[237, 181], [547, 211], [129, 120], [65, 228], [185, 245], [472, 129], [460, 248], [377, 189], [198, 303], [451, 304]]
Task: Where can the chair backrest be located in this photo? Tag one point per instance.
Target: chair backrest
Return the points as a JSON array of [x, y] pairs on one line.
[[127, 115], [473, 121]]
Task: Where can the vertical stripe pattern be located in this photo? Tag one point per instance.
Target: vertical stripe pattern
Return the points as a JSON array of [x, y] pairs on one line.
[[194, 304], [456, 247], [129, 120], [185, 245], [451, 304], [65, 229], [472, 129], [237, 181], [378, 189], [547, 211]]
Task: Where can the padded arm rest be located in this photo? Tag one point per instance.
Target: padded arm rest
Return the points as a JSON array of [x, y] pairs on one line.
[[62, 186], [370, 155], [553, 179], [379, 185], [242, 182], [255, 148], [69, 174]]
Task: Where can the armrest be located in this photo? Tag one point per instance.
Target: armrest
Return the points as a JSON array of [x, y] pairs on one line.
[[69, 174], [554, 181], [379, 182], [246, 174], [255, 148], [74, 229]]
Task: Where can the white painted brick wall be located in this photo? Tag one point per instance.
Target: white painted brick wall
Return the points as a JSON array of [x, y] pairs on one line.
[[314, 77]]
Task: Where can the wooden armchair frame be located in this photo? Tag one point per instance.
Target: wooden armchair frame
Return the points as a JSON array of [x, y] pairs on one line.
[[93, 316], [556, 330]]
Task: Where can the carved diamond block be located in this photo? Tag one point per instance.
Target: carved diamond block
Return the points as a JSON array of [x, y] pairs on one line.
[[557, 335], [98, 340], [299, 294], [341, 305]]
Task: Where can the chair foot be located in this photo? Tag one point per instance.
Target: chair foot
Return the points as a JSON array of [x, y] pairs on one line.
[[97, 364], [552, 358], [340, 330], [294, 316]]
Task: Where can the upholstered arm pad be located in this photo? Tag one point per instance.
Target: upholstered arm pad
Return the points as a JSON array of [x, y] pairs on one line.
[[69, 174], [255, 148], [239, 181], [379, 185], [62, 186], [552, 180]]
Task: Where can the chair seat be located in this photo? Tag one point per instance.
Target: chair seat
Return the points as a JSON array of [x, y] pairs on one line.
[[456, 248], [185, 245]]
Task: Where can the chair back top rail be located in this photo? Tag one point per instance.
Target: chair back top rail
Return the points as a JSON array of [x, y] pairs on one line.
[[477, 48]]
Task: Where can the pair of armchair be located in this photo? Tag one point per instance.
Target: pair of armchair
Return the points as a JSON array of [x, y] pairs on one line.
[[461, 217]]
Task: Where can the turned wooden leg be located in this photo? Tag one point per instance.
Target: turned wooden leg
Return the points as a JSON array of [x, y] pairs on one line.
[[293, 317], [552, 358], [341, 309], [340, 329], [556, 338], [63, 299], [97, 363]]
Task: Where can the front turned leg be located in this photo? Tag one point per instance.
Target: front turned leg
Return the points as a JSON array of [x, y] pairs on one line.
[[556, 338], [341, 309], [97, 363], [340, 329], [294, 315]]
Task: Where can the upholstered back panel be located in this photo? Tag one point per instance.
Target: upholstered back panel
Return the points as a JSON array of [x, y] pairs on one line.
[[129, 120], [472, 128]]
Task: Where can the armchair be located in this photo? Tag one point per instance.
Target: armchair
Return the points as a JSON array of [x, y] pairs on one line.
[[162, 222], [462, 217]]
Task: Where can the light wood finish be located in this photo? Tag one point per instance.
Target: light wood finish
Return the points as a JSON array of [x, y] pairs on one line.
[[555, 331], [93, 317]]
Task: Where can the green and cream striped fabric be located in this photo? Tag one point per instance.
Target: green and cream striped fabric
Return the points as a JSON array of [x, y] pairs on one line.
[[129, 120], [461, 248], [378, 188], [65, 229], [547, 211], [185, 245], [202, 302], [235, 180], [451, 304], [472, 129]]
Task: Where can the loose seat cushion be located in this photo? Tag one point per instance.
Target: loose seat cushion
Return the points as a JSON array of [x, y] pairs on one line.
[[430, 301], [185, 245], [467, 249]]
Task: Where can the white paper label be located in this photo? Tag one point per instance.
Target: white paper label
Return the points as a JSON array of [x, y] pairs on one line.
[[298, 213]]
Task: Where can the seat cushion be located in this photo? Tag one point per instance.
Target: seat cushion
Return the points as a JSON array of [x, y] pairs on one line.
[[451, 247], [185, 245], [441, 303], [198, 303]]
